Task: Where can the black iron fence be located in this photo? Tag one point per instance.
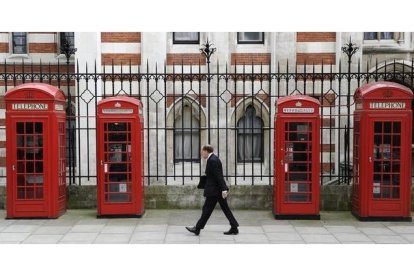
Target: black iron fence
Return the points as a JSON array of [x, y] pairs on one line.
[[231, 107]]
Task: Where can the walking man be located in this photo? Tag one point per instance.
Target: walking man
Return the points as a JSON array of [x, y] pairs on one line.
[[215, 191]]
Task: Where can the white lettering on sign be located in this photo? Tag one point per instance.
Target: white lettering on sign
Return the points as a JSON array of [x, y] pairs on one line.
[[117, 111], [388, 105], [359, 106], [59, 107], [298, 110], [29, 106]]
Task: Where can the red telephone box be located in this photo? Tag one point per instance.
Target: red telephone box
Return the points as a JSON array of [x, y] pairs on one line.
[[297, 132], [120, 157], [382, 152], [36, 151]]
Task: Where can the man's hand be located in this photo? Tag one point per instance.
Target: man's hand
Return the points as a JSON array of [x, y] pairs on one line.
[[224, 194]]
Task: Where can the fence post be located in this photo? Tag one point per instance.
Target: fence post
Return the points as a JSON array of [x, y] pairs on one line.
[[349, 49], [67, 49], [207, 51]]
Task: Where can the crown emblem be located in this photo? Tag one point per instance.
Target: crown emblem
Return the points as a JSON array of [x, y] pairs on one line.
[[117, 104], [298, 104], [387, 94]]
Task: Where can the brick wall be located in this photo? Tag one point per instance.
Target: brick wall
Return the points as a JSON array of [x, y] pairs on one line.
[[250, 58], [316, 48], [185, 59], [121, 48]]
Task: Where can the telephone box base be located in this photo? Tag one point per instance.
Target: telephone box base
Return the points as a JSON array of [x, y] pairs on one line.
[[120, 216], [381, 218], [33, 218], [303, 217]]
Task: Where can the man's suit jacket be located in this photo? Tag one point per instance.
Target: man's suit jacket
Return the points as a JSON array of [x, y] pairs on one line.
[[215, 183]]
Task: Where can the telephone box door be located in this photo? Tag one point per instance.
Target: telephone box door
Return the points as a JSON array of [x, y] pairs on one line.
[[116, 173], [29, 186], [387, 171], [295, 175], [297, 168]]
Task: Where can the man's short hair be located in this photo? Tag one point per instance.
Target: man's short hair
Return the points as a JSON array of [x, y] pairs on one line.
[[208, 148]]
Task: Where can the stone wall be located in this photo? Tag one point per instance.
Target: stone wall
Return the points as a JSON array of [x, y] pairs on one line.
[[333, 198]]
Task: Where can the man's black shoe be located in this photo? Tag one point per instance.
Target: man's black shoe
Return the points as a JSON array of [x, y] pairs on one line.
[[194, 230], [232, 231]]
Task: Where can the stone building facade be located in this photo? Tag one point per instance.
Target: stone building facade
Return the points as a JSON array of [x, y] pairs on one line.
[[179, 53]]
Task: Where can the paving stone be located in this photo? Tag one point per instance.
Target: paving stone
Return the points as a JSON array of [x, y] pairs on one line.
[[312, 230], [118, 229], [278, 228], [317, 238], [148, 236], [13, 237], [342, 229], [352, 237], [388, 239], [43, 239], [376, 231], [408, 237], [87, 228], [402, 229], [251, 238], [20, 228], [79, 238], [284, 236], [181, 238], [151, 228], [112, 238], [52, 230]]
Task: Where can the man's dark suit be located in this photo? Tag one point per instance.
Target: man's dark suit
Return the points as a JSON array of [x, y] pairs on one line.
[[215, 184]]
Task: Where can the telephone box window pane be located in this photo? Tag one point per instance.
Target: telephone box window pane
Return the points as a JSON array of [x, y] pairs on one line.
[[21, 180], [20, 141], [117, 127], [29, 128], [387, 127], [19, 128], [38, 127], [397, 127], [20, 193], [39, 167], [378, 127], [396, 140]]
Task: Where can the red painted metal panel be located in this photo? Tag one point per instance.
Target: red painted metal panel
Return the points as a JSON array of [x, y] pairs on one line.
[[297, 150], [120, 157], [35, 133], [382, 152]]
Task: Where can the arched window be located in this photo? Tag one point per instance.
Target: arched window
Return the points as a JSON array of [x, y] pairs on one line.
[[250, 137], [187, 136]]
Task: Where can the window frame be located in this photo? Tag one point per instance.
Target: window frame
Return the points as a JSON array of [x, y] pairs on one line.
[[60, 39], [175, 41], [241, 131], [379, 39], [12, 45], [250, 41], [185, 131]]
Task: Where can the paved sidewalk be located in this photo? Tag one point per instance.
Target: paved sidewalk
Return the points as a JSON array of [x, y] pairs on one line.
[[167, 226]]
